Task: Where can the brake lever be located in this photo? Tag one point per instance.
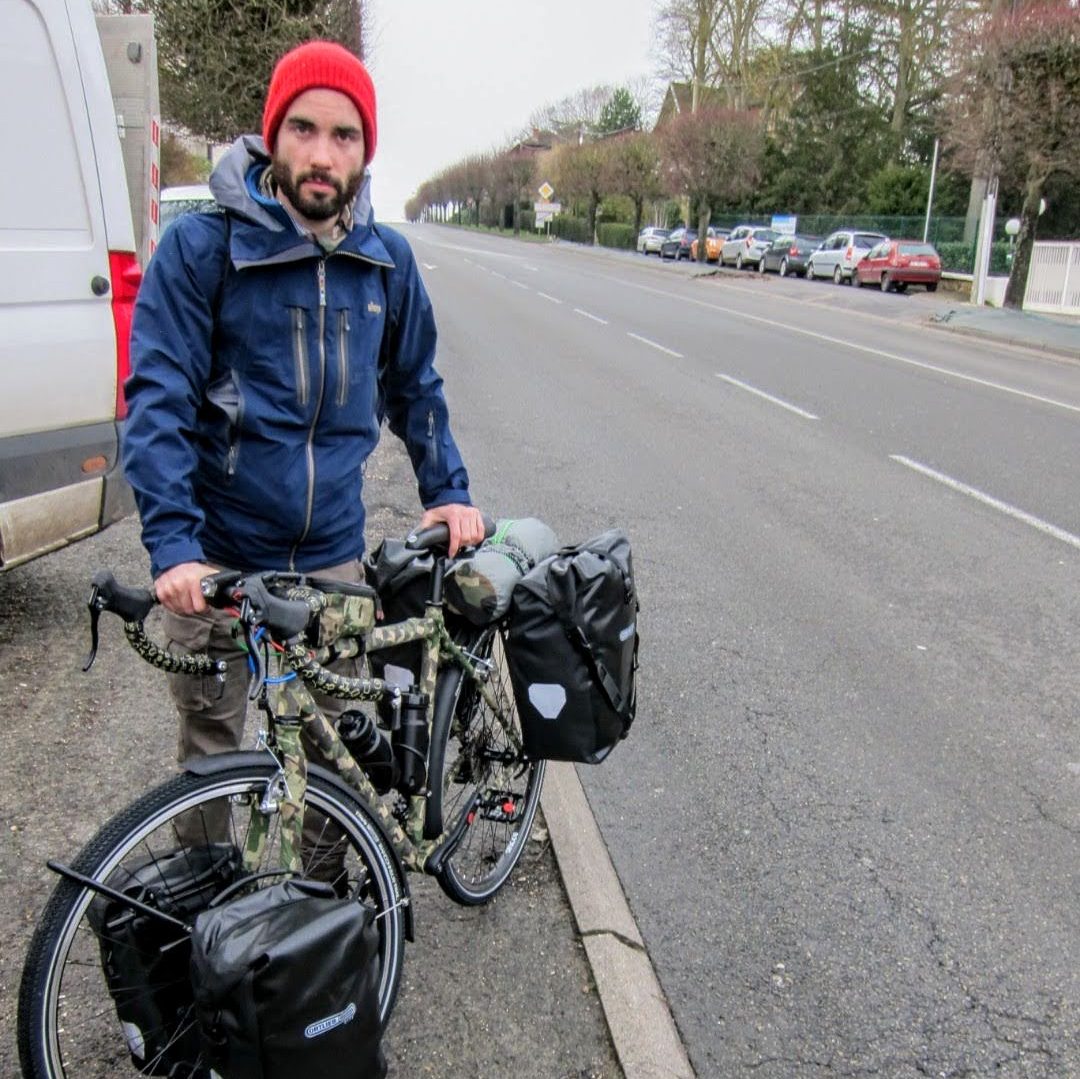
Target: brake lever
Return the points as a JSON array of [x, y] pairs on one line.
[[258, 675], [95, 604]]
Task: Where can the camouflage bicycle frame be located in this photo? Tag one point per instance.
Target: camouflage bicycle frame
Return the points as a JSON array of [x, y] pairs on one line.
[[293, 708]]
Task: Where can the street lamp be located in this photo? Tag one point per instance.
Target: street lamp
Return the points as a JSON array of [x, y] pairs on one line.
[[1012, 227]]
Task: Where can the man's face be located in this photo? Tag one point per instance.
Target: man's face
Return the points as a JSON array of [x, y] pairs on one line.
[[318, 160]]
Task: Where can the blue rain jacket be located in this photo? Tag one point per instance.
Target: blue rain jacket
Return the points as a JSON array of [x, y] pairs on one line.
[[255, 396]]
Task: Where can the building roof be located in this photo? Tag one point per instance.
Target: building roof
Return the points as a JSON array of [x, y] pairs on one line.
[[680, 96]]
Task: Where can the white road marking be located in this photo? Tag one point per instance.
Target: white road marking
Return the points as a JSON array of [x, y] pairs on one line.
[[553, 299], [428, 266], [578, 311], [653, 344], [520, 285], [948, 372], [989, 500], [501, 276], [768, 397]]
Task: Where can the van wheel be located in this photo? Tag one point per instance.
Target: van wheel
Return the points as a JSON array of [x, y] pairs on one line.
[[837, 276], [738, 261]]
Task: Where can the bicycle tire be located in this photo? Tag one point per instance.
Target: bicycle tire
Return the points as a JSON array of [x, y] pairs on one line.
[[68, 1023], [470, 754]]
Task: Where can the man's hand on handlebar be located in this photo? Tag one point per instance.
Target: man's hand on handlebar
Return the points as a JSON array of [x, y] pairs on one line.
[[179, 589], [466, 524]]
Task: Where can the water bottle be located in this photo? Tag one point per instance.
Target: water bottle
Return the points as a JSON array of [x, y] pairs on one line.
[[410, 740], [369, 747]]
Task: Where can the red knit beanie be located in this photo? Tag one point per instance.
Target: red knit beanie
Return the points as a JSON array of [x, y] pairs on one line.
[[322, 65]]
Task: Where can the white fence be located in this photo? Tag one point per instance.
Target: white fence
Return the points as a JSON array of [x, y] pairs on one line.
[[1053, 283]]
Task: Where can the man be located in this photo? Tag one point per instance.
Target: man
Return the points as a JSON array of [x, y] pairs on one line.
[[268, 343]]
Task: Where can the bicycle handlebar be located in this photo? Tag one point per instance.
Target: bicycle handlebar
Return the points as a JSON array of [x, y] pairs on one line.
[[258, 605], [438, 535]]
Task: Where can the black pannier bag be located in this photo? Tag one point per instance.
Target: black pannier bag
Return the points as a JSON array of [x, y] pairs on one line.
[[286, 983], [146, 959], [572, 646], [402, 580]]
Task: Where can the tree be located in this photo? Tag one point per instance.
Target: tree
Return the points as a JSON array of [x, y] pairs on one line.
[[580, 173], [633, 170], [514, 173], [713, 157], [1027, 65], [574, 116], [621, 113], [180, 166], [684, 30], [820, 155], [215, 57]]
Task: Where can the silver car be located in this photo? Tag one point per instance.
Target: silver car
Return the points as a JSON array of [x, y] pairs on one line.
[[839, 254], [650, 239], [745, 245]]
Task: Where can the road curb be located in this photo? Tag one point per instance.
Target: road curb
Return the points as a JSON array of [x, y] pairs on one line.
[[1058, 352], [643, 1031]]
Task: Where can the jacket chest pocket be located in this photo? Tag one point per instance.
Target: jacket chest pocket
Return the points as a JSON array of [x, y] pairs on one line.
[[357, 339]]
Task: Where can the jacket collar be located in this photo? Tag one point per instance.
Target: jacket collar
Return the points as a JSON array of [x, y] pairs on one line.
[[262, 231]]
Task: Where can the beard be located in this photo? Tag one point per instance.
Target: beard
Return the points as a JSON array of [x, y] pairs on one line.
[[321, 205]]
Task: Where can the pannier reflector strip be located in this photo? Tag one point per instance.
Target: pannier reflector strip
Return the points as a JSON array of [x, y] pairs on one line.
[[548, 698]]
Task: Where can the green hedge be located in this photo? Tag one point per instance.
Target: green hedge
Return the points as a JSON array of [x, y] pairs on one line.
[[960, 257], [571, 228], [612, 234]]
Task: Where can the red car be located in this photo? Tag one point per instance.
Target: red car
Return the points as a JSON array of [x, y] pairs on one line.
[[895, 264]]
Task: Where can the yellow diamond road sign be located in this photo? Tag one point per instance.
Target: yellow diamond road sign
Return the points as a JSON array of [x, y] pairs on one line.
[[546, 190]]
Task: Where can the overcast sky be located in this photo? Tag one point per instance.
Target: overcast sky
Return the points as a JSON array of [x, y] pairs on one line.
[[456, 77]]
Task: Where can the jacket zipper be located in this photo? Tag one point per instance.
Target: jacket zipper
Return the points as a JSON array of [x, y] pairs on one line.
[[433, 449], [300, 355], [343, 357], [309, 449]]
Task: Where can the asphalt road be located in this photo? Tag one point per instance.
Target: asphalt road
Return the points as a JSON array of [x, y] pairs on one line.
[[847, 818]]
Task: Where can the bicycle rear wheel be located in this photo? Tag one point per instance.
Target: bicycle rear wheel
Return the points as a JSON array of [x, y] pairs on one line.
[[71, 1024], [474, 763]]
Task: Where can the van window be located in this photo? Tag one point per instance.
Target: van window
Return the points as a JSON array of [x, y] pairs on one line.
[[42, 203]]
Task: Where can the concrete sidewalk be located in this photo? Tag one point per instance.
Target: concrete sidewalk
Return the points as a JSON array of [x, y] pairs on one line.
[[1057, 335]]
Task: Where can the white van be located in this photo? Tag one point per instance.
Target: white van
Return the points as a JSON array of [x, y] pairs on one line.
[[68, 277]]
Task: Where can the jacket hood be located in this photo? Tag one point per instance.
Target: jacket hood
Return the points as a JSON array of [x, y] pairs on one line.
[[235, 187], [264, 231]]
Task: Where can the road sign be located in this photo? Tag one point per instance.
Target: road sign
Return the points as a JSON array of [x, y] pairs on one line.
[[548, 208], [546, 191]]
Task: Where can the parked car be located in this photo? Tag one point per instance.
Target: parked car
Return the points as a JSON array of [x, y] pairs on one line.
[[788, 254], [745, 245], [677, 245], [650, 239], [714, 239], [840, 253], [184, 199], [895, 264]]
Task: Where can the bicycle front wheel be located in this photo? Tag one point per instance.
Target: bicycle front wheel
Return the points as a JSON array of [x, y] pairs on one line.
[[477, 768], [76, 1021]]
